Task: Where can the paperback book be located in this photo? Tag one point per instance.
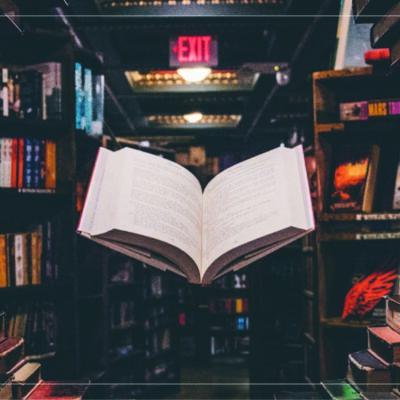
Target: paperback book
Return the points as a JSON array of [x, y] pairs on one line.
[[154, 210]]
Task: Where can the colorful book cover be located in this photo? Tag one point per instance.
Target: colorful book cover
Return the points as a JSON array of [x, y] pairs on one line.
[[353, 111], [353, 177]]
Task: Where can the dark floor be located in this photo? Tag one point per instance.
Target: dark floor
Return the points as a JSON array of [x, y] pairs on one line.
[[227, 379]]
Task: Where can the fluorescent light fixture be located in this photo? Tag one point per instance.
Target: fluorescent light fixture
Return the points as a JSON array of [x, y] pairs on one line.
[[196, 74], [193, 117]]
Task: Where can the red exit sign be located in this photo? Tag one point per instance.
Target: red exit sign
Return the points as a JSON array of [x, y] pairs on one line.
[[193, 51]]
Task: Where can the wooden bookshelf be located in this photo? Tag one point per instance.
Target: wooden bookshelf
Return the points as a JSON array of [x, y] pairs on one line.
[[350, 245]]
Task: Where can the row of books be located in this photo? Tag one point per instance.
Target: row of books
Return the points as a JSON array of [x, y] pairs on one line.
[[228, 305], [232, 281], [156, 315], [374, 371], [231, 323], [36, 322], [28, 258], [220, 345], [367, 109], [33, 92], [27, 164], [89, 100], [355, 176], [122, 313], [21, 379], [158, 341]]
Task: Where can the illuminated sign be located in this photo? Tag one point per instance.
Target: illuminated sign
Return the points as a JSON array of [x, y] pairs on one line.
[[193, 51]]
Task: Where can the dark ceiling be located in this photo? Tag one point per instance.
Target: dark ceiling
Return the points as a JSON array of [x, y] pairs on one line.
[[136, 38]]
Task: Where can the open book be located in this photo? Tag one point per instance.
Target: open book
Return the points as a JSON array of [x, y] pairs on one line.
[[154, 210]]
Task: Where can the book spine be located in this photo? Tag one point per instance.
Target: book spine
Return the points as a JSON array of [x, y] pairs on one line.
[[4, 281], [4, 109], [20, 162], [36, 163], [88, 102], [14, 163], [28, 164], [98, 104], [78, 96], [19, 260], [50, 162]]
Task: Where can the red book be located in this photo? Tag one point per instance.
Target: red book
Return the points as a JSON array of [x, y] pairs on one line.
[[14, 162], [353, 179], [58, 390], [20, 163]]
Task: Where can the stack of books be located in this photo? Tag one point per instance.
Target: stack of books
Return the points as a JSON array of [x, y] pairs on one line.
[[20, 378]]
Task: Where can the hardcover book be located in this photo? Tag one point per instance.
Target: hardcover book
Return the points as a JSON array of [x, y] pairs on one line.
[[154, 210], [384, 343], [11, 353], [354, 175], [5, 387], [339, 389], [368, 373], [26, 377], [393, 312]]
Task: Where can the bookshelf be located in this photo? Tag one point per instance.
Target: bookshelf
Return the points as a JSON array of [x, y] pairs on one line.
[[276, 314], [129, 345], [351, 244], [229, 320]]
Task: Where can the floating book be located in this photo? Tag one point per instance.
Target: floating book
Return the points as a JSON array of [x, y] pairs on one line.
[[154, 210]]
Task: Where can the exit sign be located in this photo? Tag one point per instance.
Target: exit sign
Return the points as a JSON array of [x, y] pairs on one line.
[[193, 51]]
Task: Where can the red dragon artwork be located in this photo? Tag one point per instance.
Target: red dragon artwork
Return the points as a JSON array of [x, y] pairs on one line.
[[367, 293]]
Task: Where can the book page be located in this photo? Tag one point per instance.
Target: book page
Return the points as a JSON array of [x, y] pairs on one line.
[[255, 198], [159, 199], [98, 214]]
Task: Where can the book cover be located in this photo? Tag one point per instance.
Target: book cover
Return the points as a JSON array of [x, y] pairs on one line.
[[396, 189], [26, 377], [162, 217], [354, 111], [384, 343], [354, 176], [368, 373]]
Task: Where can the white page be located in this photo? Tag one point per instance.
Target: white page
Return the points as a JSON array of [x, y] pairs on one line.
[[98, 215], [160, 199], [250, 200]]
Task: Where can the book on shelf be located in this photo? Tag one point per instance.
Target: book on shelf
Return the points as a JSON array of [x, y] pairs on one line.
[[385, 30], [369, 109], [392, 307], [396, 189], [367, 11], [354, 174], [154, 210], [11, 353], [384, 343], [368, 373]]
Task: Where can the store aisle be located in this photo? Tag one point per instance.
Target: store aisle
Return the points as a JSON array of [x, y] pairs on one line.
[[220, 380]]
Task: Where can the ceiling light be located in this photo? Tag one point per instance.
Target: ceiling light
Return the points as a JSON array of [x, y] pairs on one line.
[[196, 74], [193, 117]]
